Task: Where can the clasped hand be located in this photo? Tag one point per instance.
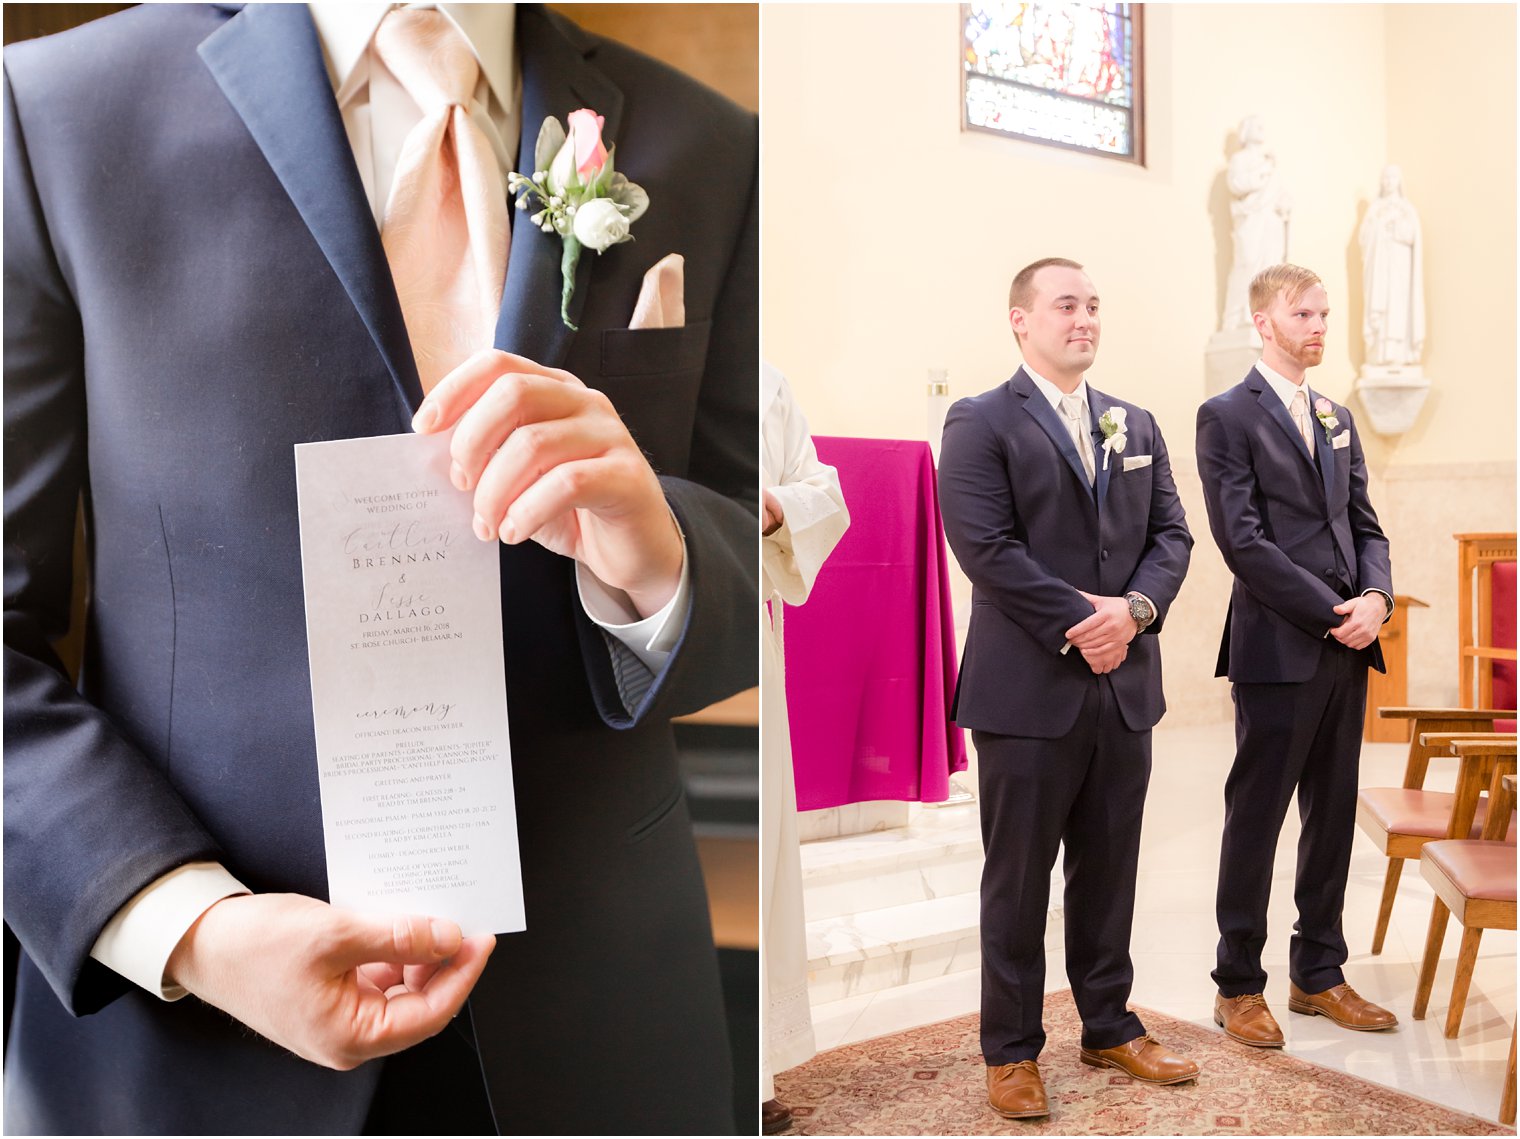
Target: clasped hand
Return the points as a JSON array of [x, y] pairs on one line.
[[333, 986], [1103, 639], [1363, 618], [549, 459]]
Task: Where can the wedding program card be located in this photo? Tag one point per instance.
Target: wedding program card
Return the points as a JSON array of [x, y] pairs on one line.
[[403, 629]]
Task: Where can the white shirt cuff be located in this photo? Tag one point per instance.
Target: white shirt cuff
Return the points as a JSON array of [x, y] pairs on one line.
[[650, 639], [139, 940]]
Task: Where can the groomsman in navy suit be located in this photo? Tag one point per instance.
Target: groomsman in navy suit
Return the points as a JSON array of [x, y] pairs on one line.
[[1286, 490], [1059, 505]]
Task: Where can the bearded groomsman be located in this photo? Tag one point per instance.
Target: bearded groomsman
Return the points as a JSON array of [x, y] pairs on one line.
[[1286, 490], [1059, 505]]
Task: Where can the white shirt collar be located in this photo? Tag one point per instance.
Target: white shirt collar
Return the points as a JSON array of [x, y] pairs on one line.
[[1053, 394], [1284, 387], [345, 28]]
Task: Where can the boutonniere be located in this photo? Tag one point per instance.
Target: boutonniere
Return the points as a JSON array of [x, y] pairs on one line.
[[1324, 411], [1112, 426], [582, 198]]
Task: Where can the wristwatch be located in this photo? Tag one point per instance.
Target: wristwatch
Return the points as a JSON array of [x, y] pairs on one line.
[[1141, 610]]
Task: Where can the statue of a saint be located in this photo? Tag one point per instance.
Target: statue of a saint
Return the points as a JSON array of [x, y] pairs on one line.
[[1393, 318], [1259, 209]]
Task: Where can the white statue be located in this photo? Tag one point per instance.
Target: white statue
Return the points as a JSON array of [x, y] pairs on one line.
[[1259, 210], [1393, 318]]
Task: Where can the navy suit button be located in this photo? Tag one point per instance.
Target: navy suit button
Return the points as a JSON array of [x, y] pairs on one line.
[[1330, 573], [1103, 555]]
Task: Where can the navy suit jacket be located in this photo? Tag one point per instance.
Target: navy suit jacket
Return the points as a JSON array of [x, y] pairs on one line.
[[1298, 533], [1029, 532], [194, 283]]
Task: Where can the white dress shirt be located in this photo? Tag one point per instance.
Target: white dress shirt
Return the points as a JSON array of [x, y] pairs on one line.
[[378, 114], [1286, 389]]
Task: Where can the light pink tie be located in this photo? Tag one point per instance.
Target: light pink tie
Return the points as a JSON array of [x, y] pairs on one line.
[[445, 230], [1300, 410]]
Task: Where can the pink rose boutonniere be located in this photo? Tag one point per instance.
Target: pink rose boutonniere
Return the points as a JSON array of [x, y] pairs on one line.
[[1324, 411], [582, 197]]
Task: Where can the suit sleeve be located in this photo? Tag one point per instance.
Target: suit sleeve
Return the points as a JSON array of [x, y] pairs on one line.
[[717, 650], [981, 525], [1229, 494], [1372, 563], [1168, 542], [89, 820]]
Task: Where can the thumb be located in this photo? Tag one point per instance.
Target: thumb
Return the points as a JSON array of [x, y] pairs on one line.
[[1343, 607], [407, 939]]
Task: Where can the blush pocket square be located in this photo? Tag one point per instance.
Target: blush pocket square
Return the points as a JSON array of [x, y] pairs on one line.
[[662, 296], [1341, 441], [1135, 462]]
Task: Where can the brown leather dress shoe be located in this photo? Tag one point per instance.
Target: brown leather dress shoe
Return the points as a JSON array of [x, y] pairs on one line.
[[1015, 1091], [775, 1117], [1342, 1005], [1145, 1059], [1247, 1019]]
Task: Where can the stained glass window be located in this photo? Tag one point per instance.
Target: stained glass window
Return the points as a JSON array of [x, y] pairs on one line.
[[1062, 73]]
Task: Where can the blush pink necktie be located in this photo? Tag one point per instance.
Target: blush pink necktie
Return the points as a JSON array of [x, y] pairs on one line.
[[1300, 411], [445, 231]]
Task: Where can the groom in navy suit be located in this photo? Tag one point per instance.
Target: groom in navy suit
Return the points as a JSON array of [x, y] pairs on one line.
[[1286, 491], [1059, 505], [195, 282]]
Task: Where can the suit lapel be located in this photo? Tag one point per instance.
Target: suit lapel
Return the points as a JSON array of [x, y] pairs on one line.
[[556, 80], [268, 62], [1097, 406], [1045, 415], [1275, 411]]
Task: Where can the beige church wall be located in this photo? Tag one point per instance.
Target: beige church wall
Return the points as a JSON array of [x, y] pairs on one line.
[[1455, 140], [891, 234]]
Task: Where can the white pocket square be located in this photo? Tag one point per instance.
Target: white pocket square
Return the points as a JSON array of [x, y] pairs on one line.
[[1133, 462], [1341, 441], [662, 296]]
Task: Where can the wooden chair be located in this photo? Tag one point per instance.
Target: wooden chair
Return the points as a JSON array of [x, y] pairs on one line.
[[1402, 819], [1474, 879], [1486, 646], [1507, 1098]]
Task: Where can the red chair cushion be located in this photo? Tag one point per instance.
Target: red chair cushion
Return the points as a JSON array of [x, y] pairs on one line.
[[1502, 631], [1479, 869], [1399, 810]]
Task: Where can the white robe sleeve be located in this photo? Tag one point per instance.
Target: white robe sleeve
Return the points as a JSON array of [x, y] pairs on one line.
[[812, 505]]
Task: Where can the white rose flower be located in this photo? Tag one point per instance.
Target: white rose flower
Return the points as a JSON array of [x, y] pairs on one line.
[[599, 224]]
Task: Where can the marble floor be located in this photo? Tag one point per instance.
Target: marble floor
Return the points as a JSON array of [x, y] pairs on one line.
[[1174, 937]]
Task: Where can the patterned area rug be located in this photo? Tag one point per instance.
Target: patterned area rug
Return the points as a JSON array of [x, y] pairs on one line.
[[932, 1081]]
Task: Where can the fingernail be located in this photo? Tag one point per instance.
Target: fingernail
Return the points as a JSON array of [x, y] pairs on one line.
[[508, 531], [426, 417], [445, 935], [458, 477], [482, 529]]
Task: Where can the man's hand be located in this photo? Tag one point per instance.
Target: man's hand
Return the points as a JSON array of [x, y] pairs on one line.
[[772, 515], [1364, 617], [335, 987], [1109, 627], [549, 459], [1106, 659]]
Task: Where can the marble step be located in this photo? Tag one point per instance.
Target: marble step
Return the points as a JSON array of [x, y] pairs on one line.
[[900, 945], [938, 855]]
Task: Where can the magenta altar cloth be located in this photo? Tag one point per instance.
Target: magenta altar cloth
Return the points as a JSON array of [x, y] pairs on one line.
[[870, 659]]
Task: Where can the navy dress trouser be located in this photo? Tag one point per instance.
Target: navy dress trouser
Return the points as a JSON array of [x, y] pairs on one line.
[[1305, 737], [1086, 788]]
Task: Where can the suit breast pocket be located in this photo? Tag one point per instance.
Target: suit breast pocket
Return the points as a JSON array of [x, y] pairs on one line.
[[653, 377]]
